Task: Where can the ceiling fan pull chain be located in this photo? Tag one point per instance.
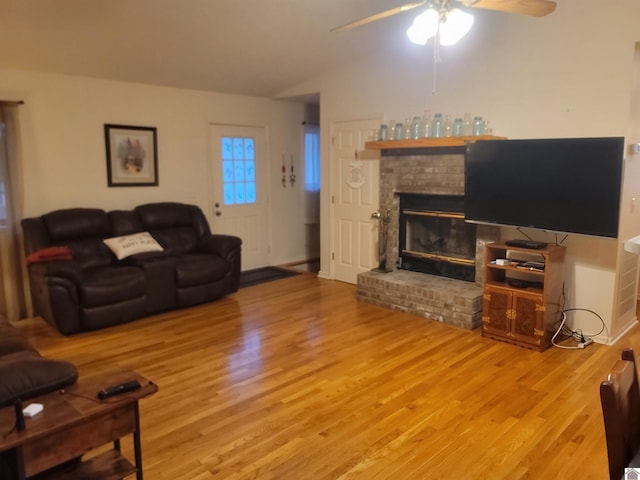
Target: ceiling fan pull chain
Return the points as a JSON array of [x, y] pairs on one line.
[[436, 55]]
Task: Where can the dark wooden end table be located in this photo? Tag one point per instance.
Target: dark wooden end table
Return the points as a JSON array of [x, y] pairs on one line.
[[75, 421]]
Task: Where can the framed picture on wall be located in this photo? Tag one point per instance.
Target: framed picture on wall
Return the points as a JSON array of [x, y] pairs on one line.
[[132, 156]]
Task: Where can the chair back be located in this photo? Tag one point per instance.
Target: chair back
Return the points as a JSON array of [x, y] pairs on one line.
[[620, 398]]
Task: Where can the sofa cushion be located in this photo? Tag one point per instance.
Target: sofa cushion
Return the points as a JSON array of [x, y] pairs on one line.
[[128, 245], [25, 375], [177, 240], [198, 269], [176, 226], [124, 222], [106, 285], [90, 252], [74, 223], [82, 230], [158, 216]]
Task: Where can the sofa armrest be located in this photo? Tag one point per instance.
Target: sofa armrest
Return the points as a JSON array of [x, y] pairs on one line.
[[223, 245], [55, 293], [69, 270], [25, 375]]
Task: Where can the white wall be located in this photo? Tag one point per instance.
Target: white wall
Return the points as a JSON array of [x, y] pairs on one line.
[[567, 74], [63, 138]]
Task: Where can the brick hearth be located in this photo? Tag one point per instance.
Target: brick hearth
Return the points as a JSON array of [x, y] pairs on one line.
[[445, 300], [436, 171]]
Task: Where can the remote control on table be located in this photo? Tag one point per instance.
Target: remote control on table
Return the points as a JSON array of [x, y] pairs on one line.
[[118, 389]]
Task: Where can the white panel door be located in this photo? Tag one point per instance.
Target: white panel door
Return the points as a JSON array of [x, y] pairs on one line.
[[355, 196], [240, 199]]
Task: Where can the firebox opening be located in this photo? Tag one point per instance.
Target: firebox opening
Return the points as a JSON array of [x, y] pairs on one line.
[[434, 237]]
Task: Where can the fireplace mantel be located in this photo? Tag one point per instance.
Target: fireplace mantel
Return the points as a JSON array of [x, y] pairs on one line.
[[427, 142]]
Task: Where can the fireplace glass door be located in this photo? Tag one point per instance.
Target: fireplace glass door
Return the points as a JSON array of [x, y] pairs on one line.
[[434, 237]]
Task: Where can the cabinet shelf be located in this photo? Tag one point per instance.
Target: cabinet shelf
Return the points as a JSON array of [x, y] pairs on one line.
[[109, 465], [524, 316], [509, 268], [427, 142]]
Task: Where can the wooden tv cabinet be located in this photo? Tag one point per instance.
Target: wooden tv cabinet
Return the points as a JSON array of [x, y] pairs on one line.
[[74, 422], [522, 305]]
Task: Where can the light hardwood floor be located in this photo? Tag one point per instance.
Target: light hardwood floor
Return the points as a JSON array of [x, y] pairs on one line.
[[295, 379]]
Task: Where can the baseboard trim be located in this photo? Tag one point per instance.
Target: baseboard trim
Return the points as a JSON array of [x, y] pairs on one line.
[[300, 262], [622, 333]]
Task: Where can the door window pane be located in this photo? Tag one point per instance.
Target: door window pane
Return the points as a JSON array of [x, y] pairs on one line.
[[250, 171], [251, 192], [229, 195], [227, 148], [238, 170]]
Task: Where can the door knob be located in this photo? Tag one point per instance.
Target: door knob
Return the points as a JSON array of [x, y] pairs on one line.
[[218, 213]]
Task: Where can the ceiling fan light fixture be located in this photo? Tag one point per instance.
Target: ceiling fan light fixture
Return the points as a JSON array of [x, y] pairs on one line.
[[455, 25], [424, 27]]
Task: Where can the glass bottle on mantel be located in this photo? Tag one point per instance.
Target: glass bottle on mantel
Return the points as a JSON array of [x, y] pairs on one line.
[[478, 126], [436, 126], [425, 127], [467, 125], [458, 127], [406, 130], [415, 127], [383, 133], [447, 127], [397, 132]]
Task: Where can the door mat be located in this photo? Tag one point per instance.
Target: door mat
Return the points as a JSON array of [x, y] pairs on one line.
[[264, 274]]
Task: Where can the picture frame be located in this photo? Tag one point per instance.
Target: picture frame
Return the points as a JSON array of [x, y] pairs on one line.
[[132, 156]]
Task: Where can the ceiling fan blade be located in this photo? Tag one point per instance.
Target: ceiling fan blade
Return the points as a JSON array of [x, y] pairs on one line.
[[379, 16], [535, 8]]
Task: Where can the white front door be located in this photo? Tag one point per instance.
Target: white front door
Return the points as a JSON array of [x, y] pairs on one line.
[[355, 196], [240, 198]]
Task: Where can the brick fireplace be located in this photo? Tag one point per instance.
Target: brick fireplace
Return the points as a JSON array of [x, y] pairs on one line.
[[435, 172]]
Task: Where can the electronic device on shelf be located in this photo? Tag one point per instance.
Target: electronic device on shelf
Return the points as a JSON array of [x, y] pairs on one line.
[[517, 283], [539, 266], [532, 244]]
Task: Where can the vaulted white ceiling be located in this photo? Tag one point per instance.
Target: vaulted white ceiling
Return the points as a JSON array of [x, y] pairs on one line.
[[252, 47]]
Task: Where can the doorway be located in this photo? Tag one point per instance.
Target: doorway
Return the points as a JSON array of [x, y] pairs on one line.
[[240, 201], [355, 186]]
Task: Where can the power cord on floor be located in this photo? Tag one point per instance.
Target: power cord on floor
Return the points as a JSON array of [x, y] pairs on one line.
[[578, 335]]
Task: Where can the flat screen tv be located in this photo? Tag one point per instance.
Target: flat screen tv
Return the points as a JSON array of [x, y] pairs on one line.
[[569, 185]]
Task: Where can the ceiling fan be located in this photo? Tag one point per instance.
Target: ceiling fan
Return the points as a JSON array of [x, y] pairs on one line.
[[535, 8], [447, 21]]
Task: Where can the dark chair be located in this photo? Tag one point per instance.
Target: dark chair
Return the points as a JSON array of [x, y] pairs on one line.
[[627, 354], [620, 398]]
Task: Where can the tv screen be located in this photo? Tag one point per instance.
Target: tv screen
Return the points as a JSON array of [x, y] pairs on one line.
[[569, 185]]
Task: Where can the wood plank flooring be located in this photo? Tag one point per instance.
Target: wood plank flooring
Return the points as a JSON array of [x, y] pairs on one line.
[[295, 379]]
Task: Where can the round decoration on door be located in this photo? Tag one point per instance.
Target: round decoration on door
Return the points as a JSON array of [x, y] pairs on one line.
[[355, 174]]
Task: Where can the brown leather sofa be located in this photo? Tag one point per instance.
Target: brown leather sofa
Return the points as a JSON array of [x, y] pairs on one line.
[[93, 289]]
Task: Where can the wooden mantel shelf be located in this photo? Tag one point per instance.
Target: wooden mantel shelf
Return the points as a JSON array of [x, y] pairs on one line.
[[427, 142]]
